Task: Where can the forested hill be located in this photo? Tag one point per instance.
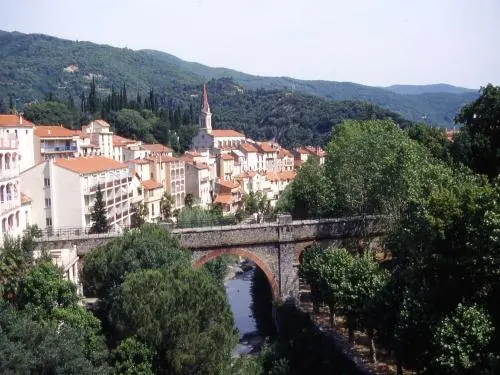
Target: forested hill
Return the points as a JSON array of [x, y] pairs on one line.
[[34, 66]]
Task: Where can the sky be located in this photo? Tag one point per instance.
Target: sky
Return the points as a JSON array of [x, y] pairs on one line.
[[373, 42]]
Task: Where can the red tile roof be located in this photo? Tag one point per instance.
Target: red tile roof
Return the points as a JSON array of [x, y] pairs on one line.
[[283, 152], [93, 164], [54, 131], [151, 184], [25, 199], [224, 198], [198, 165], [226, 133], [280, 176], [15, 121], [228, 184], [267, 147], [121, 141], [226, 157], [141, 161], [248, 147], [156, 147]]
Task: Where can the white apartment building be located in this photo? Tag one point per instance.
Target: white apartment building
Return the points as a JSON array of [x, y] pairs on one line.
[[101, 137], [54, 141], [198, 183], [170, 172], [63, 191], [22, 130], [10, 192], [152, 193]]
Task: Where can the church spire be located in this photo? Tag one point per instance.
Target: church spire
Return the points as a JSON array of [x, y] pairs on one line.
[[204, 100], [205, 115]]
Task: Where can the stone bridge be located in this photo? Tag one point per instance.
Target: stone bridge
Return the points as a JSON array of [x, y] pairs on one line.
[[274, 247]]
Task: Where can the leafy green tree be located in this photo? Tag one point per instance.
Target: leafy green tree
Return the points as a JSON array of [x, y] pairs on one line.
[[28, 346], [151, 246], [478, 142], [310, 270], [140, 214], [374, 168], [132, 357], [131, 124], [45, 289], [16, 256], [309, 191], [251, 202], [461, 341], [189, 200], [166, 206], [167, 310], [52, 112], [433, 138], [218, 268], [99, 216]]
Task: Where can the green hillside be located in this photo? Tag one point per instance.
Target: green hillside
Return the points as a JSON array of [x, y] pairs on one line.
[[33, 66], [426, 89]]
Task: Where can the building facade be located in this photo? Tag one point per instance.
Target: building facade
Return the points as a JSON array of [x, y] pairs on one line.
[[63, 192], [22, 130]]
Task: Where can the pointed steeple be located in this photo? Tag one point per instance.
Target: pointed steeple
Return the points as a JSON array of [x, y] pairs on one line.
[[205, 107], [205, 115]]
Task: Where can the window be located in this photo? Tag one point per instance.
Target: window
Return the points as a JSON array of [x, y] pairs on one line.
[[47, 202], [153, 209], [46, 182], [48, 221]]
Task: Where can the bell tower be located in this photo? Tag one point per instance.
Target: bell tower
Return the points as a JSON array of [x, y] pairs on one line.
[[205, 114]]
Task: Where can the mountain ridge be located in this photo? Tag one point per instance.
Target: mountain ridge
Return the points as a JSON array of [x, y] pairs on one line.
[[33, 67]]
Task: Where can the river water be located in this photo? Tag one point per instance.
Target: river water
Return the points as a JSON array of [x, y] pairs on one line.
[[240, 299]]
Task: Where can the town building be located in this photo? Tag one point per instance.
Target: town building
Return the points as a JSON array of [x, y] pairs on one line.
[[100, 137], [198, 183], [152, 193], [228, 196], [11, 214], [207, 139], [156, 149], [22, 130], [63, 191], [55, 141]]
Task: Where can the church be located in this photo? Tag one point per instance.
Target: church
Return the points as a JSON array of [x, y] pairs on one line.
[[209, 139]]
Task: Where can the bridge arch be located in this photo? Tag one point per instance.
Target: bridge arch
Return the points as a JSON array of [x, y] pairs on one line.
[[247, 255]]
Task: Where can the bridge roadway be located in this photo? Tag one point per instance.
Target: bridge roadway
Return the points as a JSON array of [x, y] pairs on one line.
[[274, 247]]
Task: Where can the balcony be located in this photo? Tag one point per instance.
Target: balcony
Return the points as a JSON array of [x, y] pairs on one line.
[[50, 149], [8, 206], [10, 173]]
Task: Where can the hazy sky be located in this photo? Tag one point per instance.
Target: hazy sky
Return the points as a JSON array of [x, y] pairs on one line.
[[375, 42]]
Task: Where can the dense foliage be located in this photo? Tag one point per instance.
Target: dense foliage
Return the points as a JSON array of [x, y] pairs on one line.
[[44, 328], [154, 308], [433, 303]]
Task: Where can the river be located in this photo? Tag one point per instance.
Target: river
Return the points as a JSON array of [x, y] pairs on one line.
[[240, 299]]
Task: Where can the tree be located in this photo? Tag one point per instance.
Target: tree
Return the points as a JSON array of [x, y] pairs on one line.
[[44, 289], [130, 123], [149, 247], [189, 200], [132, 357], [461, 341], [52, 112], [374, 168], [16, 256], [99, 216], [167, 310], [477, 143], [433, 138], [140, 214], [28, 346], [309, 191], [167, 203], [310, 270]]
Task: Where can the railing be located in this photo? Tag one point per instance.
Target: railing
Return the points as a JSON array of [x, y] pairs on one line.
[[9, 173], [59, 149], [8, 206]]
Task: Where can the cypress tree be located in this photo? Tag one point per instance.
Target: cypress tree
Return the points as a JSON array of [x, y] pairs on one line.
[[100, 221]]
